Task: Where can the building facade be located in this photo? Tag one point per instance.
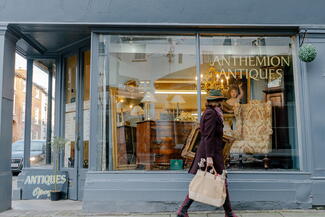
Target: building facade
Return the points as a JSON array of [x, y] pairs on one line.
[[130, 85], [39, 107]]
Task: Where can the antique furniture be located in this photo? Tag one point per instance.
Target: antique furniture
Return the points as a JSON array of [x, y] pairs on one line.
[[126, 147], [193, 141], [281, 156], [158, 142], [253, 128], [279, 117], [253, 133]]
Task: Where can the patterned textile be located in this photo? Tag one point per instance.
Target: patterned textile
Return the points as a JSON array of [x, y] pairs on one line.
[[253, 128]]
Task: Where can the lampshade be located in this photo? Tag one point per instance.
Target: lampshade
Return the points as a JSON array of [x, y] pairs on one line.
[[177, 99], [119, 106], [136, 111], [149, 97]]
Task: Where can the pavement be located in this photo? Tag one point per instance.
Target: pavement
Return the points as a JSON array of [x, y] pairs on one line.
[[69, 208]]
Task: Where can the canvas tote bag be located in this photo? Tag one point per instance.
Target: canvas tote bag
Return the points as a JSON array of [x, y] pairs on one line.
[[208, 188]]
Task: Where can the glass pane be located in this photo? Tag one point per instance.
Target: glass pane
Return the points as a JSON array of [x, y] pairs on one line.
[[18, 125], [86, 109], [153, 99], [70, 110], [53, 108], [39, 115], [256, 75]]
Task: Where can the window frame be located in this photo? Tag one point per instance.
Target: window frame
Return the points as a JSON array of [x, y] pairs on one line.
[[302, 162]]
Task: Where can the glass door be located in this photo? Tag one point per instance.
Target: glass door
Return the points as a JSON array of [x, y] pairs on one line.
[[84, 121], [76, 120], [70, 122]]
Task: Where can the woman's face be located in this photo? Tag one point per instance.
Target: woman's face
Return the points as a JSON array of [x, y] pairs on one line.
[[233, 93], [214, 103]]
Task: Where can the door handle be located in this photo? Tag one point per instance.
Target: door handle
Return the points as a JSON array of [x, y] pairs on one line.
[[78, 146]]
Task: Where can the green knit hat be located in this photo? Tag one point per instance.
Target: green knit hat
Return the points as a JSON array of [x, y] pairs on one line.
[[215, 95]]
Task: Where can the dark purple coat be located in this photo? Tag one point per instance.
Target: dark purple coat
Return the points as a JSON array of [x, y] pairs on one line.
[[211, 144]]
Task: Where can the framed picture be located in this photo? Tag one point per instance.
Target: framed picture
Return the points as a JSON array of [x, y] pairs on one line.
[[193, 142], [123, 139], [274, 80]]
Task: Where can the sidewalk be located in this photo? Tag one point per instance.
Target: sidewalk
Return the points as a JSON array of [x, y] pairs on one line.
[[68, 208]]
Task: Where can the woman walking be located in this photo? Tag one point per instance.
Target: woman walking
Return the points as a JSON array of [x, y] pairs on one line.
[[210, 150]]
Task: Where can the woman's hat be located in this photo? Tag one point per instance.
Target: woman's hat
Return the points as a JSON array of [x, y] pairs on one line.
[[215, 95]]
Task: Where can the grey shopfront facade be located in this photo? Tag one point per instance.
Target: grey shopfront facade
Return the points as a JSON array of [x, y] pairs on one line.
[[57, 30]]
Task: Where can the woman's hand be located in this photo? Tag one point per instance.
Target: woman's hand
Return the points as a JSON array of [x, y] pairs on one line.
[[209, 161]]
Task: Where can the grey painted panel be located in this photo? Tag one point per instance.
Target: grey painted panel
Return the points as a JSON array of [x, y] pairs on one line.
[[292, 190], [318, 192], [7, 67], [5, 134], [73, 182], [94, 159], [316, 81], [167, 11], [176, 175], [316, 92], [28, 112], [152, 184], [5, 190]]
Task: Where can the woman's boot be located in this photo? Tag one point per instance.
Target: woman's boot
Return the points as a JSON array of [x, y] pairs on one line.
[[227, 205], [182, 211]]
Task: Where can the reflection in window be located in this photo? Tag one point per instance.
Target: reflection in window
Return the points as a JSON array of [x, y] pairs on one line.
[[148, 100], [256, 74], [70, 110], [39, 114], [86, 108], [152, 91]]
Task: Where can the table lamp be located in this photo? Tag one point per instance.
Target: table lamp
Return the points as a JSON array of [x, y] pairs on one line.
[[119, 108], [177, 99], [147, 99], [137, 111]]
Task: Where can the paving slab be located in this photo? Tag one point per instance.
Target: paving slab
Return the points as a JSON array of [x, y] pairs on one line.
[[69, 208], [310, 213], [47, 205], [194, 215], [261, 214], [218, 215]]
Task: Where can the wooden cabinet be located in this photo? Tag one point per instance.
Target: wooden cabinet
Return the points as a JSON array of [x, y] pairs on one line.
[[160, 141], [279, 118], [126, 147]]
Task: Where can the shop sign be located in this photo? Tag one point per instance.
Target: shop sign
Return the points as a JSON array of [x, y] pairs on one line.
[[254, 67], [38, 184]]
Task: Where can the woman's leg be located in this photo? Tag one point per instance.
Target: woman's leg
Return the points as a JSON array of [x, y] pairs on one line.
[[227, 205], [182, 211]]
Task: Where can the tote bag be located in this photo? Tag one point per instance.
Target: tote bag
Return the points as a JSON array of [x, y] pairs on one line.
[[208, 188]]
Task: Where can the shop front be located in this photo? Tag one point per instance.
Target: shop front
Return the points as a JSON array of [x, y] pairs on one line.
[[129, 106], [128, 92], [150, 94]]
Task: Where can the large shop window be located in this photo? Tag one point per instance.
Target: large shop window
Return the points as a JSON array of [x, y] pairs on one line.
[[40, 150], [149, 108]]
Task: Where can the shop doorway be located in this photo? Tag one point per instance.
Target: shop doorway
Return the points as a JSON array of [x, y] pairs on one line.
[[76, 106]]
